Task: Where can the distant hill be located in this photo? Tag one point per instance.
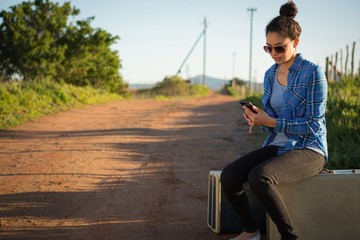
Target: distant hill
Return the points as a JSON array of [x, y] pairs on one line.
[[141, 86], [211, 82]]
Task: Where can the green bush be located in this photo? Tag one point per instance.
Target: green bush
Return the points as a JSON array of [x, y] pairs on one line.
[[231, 91], [198, 90], [343, 123], [236, 88], [256, 99], [174, 86], [171, 86]]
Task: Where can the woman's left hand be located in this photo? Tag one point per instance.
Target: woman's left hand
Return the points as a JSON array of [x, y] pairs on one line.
[[260, 118]]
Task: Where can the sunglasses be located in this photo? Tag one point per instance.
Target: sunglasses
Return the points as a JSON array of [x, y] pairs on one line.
[[278, 49]]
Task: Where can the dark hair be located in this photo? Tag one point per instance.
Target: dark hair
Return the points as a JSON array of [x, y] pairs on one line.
[[285, 23]]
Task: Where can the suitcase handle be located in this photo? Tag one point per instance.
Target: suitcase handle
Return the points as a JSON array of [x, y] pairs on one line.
[[325, 170]]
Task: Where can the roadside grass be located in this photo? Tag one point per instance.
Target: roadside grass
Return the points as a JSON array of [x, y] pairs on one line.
[[342, 121], [24, 101], [343, 124]]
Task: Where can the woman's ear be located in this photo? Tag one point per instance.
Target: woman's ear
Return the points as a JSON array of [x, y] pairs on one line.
[[296, 42]]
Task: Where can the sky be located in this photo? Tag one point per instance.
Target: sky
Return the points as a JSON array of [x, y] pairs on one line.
[[156, 35]]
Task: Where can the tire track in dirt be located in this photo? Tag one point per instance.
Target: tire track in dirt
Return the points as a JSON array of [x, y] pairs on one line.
[[124, 170]]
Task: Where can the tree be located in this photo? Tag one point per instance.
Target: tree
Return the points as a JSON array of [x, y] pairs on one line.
[[29, 35], [89, 58], [38, 41]]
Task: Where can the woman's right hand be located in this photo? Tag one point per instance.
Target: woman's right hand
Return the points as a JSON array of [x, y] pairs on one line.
[[249, 121], [260, 118]]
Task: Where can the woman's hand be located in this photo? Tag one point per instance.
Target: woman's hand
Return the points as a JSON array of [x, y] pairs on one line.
[[260, 118]]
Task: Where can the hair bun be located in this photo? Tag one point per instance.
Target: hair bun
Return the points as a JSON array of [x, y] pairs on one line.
[[289, 9]]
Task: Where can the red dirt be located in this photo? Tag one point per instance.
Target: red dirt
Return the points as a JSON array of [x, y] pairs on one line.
[[131, 170]]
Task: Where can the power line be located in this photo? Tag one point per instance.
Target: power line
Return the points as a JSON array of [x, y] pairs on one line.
[[202, 34], [204, 55], [191, 50], [233, 65]]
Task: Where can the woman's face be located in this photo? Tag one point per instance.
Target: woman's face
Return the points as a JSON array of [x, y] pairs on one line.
[[281, 49]]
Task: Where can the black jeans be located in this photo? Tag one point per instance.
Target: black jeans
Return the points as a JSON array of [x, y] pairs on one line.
[[263, 169]]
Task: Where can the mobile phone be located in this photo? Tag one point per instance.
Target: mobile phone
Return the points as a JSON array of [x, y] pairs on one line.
[[248, 105]]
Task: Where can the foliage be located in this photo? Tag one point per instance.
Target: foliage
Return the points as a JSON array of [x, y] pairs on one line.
[[28, 36], [343, 123], [171, 86], [239, 82], [38, 41], [175, 86], [255, 99], [231, 91], [236, 88], [89, 59], [23, 101], [197, 90]]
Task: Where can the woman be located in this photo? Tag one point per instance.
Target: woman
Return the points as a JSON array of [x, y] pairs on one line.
[[295, 92]]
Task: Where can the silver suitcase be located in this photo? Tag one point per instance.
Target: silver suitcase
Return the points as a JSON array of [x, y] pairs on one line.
[[221, 218], [326, 206]]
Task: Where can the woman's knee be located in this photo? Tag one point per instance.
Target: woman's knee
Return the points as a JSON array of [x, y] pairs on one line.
[[231, 179], [227, 176]]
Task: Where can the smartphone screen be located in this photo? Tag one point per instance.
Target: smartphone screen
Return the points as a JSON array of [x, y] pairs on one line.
[[248, 104]]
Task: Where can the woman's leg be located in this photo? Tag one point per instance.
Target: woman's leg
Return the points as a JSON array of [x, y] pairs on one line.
[[233, 177], [288, 167]]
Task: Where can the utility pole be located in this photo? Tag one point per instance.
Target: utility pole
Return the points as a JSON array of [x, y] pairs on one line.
[[251, 10], [359, 61], [233, 71], [233, 65], [204, 54]]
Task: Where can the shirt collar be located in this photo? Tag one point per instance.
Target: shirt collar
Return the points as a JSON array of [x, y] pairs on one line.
[[294, 67], [297, 63]]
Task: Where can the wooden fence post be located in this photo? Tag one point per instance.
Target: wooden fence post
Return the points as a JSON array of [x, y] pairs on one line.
[[341, 61], [336, 72], [327, 69], [352, 60], [331, 71], [346, 60]]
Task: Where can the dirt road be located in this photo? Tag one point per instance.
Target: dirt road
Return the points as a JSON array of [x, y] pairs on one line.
[[126, 170]]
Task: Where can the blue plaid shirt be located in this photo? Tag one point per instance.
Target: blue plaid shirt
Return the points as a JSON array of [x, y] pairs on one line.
[[302, 118]]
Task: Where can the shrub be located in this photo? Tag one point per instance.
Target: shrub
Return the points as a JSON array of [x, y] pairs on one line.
[[175, 86], [343, 123]]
